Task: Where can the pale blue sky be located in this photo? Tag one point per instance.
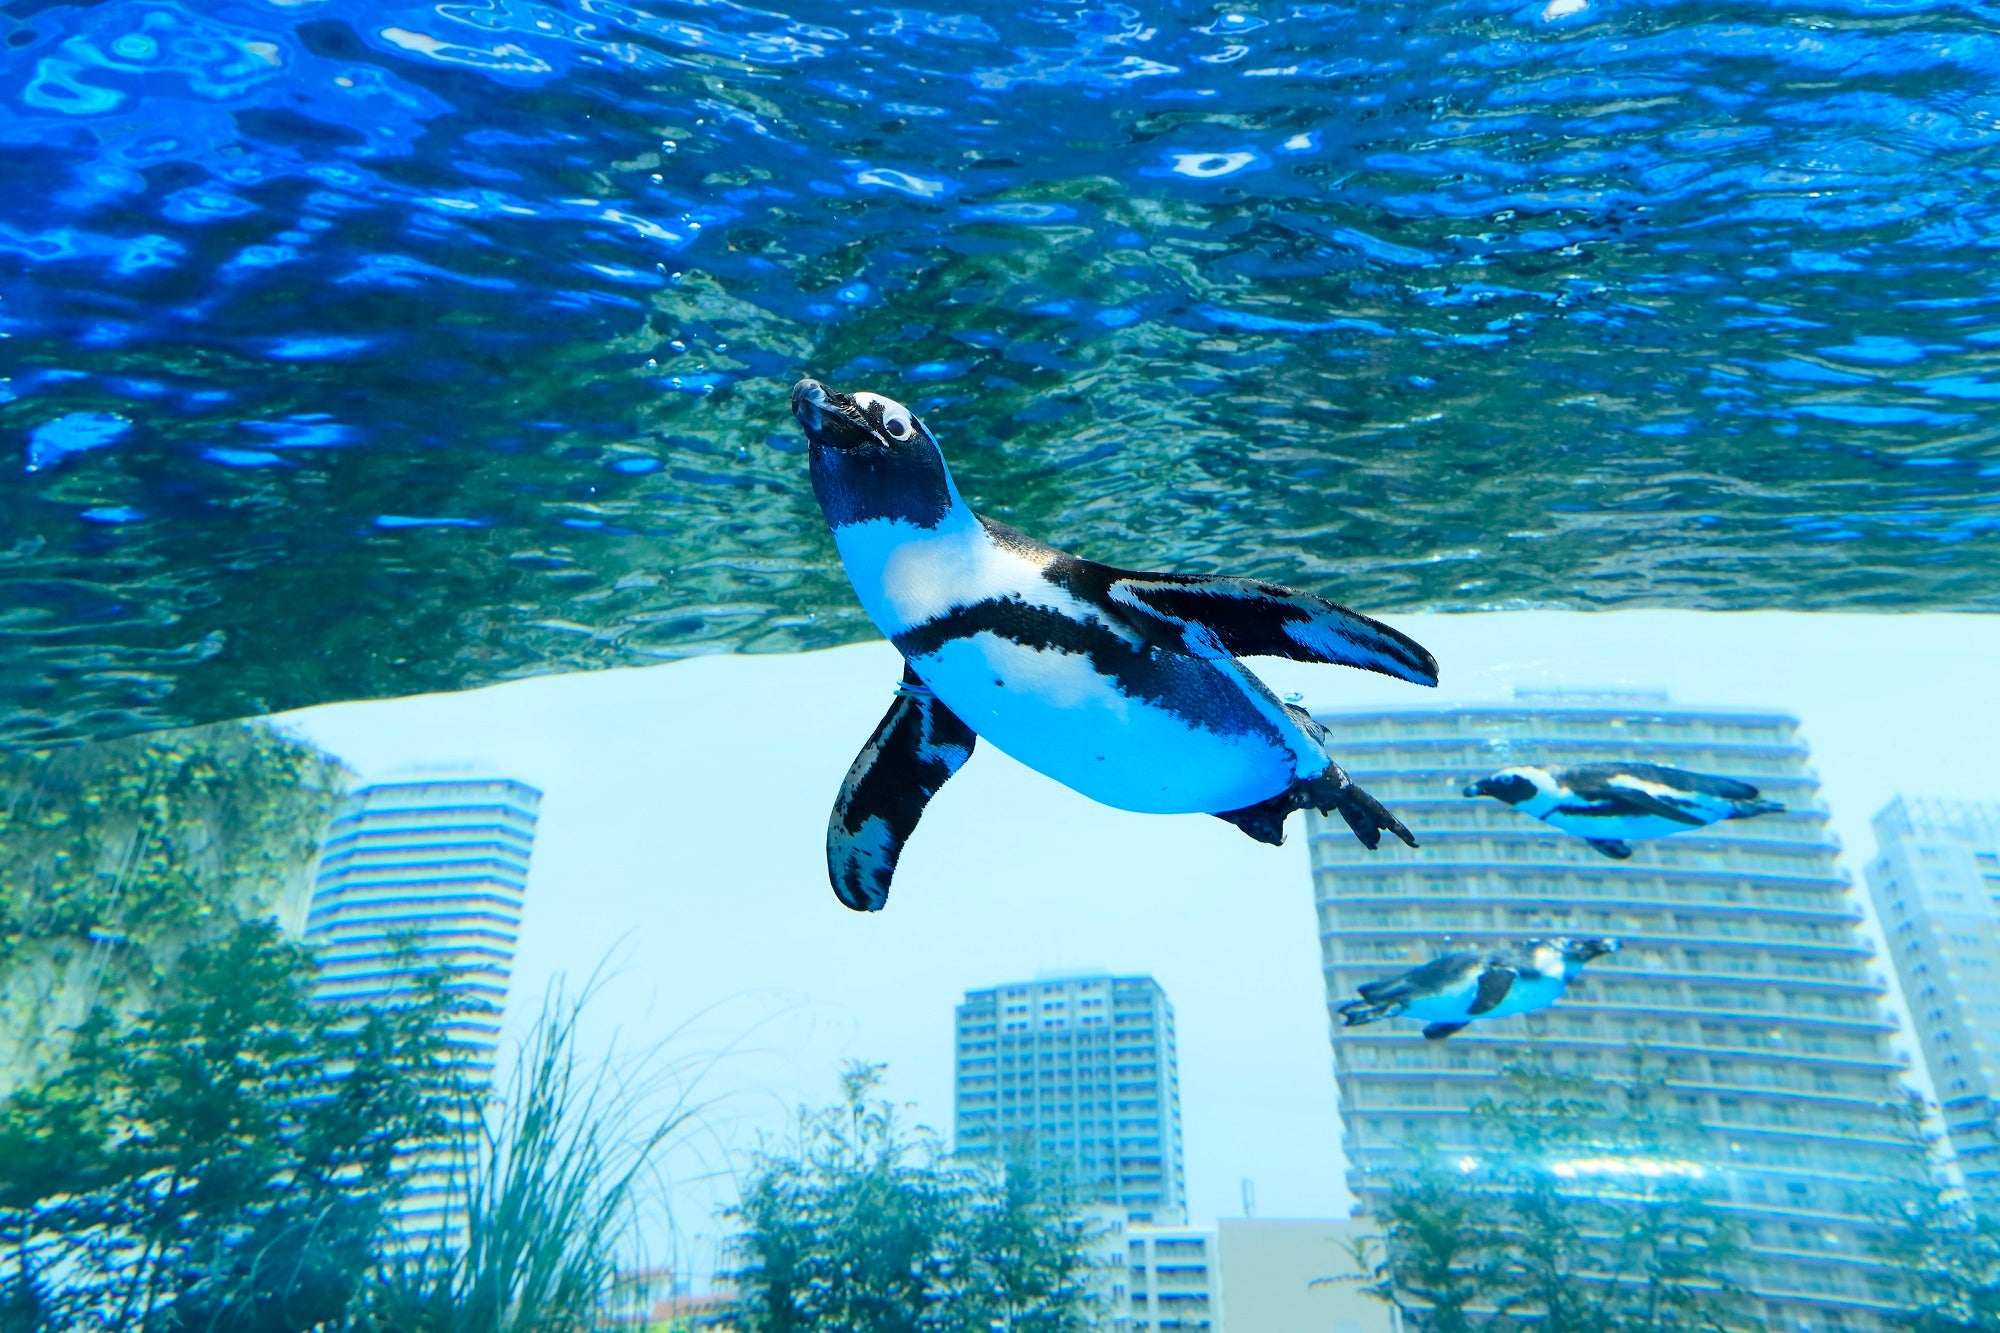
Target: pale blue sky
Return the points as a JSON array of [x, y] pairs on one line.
[[686, 804]]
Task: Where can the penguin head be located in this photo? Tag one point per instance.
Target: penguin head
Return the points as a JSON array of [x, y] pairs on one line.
[[872, 459], [1514, 785], [1577, 952]]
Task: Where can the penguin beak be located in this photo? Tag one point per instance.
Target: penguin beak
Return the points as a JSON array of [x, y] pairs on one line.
[[809, 399], [1475, 789], [828, 418]]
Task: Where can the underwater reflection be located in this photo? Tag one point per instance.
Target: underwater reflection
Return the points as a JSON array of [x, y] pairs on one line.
[[451, 341]]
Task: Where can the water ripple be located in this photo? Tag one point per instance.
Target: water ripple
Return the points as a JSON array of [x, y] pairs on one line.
[[396, 346]]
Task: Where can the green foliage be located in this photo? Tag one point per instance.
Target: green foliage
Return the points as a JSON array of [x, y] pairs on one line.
[[1580, 1212], [223, 1163], [548, 1199], [860, 1226], [1440, 1266], [216, 1151], [167, 836], [1942, 1253]]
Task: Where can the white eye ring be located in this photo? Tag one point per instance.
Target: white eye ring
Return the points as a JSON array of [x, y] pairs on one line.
[[896, 421]]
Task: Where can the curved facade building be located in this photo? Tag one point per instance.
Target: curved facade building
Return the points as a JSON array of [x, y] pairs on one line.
[[438, 864], [1744, 974], [432, 870], [1936, 881]]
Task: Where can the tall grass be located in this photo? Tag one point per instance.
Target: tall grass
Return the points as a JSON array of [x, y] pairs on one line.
[[548, 1201]]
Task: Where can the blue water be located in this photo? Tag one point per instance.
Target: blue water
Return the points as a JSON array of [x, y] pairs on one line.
[[367, 348]]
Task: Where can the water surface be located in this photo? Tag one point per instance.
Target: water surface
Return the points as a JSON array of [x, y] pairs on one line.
[[378, 348]]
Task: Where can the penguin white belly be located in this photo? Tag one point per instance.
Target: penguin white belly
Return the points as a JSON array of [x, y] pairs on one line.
[[1446, 1006], [1527, 995], [1454, 1006], [1031, 668], [1057, 713], [1625, 828]]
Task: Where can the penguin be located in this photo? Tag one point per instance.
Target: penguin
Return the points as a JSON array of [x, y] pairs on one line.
[[1460, 988], [1610, 806], [1121, 685]]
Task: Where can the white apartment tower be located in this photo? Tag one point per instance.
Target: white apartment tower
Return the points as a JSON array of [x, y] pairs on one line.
[[1744, 974], [1079, 1074], [1936, 884], [429, 870]]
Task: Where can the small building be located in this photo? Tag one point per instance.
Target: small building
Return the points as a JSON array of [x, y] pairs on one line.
[[1285, 1275], [1174, 1280]]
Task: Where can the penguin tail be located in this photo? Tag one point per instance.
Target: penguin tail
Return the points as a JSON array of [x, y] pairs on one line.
[[1356, 1012], [1265, 821], [1751, 809]]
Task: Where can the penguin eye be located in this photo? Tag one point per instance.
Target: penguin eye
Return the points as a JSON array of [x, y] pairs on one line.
[[890, 416]]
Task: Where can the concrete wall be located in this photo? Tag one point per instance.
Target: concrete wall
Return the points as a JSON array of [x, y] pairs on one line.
[[1268, 1271]]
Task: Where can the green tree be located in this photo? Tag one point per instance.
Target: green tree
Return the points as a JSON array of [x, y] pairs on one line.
[[861, 1226], [1439, 1262], [1942, 1254], [115, 857], [1028, 1251], [225, 1162], [1581, 1210]]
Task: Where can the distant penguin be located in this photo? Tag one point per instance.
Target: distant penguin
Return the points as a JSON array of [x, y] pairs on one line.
[[1610, 806], [1460, 988], [1122, 685]]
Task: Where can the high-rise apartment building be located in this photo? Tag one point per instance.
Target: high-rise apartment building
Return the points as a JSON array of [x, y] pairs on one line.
[[1077, 1073], [1936, 883], [1744, 975], [426, 871]]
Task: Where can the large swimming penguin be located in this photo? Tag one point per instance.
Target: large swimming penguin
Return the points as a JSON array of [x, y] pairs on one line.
[[1460, 988], [1610, 806], [1122, 685]]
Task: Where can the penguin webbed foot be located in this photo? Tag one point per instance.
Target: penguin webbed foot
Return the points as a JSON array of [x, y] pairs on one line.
[[1329, 793], [1356, 1012], [1364, 814], [1751, 809]]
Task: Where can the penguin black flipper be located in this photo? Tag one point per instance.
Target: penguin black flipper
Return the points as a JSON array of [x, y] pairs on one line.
[[1622, 794], [1220, 616], [1612, 847], [916, 748], [1592, 780], [1494, 983], [1631, 803], [1439, 1031], [1440, 973]]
